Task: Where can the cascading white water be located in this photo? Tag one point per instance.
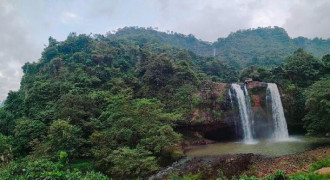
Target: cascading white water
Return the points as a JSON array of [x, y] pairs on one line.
[[243, 112], [231, 99], [280, 126], [248, 108]]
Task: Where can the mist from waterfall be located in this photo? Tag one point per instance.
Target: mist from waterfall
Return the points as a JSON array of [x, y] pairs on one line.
[[280, 126], [244, 112]]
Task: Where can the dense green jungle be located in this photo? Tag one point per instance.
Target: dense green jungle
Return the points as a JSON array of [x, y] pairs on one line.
[[122, 105]]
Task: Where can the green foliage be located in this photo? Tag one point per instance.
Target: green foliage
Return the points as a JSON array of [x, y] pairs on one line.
[[320, 164], [63, 136], [244, 177], [40, 99], [137, 126], [27, 132], [13, 109], [326, 63], [220, 175], [302, 68], [140, 35], [116, 99], [63, 157], [279, 175], [7, 123], [129, 163], [318, 106], [44, 169], [219, 71], [14, 104], [309, 176], [318, 47], [83, 165], [79, 110], [6, 153], [261, 46], [255, 72]]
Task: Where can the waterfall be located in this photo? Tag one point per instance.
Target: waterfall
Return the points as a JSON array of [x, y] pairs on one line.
[[280, 126], [248, 108], [272, 121], [244, 111], [234, 119], [231, 99]]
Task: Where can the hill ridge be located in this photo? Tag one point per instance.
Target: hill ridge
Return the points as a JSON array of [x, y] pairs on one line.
[[267, 46]]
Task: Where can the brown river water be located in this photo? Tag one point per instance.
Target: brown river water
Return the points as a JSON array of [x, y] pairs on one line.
[[295, 144]]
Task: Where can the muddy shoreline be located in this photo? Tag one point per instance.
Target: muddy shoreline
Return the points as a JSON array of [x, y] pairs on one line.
[[239, 164]]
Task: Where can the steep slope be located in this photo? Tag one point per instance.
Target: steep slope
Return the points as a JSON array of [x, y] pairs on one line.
[[105, 98], [99, 98], [318, 47], [262, 46], [189, 42]]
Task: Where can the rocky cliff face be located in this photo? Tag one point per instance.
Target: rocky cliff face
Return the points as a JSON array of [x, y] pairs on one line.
[[209, 118], [257, 91], [216, 118], [213, 103]]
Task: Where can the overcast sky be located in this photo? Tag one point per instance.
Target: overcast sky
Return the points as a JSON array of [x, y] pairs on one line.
[[25, 25]]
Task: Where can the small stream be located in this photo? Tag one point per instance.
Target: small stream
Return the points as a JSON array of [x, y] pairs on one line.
[[292, 145]]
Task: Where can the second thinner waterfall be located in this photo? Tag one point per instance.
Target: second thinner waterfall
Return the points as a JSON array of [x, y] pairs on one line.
[[280, 126], [244, 112]]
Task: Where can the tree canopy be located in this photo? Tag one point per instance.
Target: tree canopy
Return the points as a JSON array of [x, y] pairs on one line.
[[112, 103]]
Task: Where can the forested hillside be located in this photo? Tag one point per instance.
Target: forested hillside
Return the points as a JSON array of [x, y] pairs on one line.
[[140, 35], [262, 46], [112, 103], [318, 47], [106, 99]]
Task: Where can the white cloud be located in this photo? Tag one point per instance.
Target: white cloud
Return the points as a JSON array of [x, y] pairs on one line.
[[309, 18], [69, 17], [15, 47], [25, 27]]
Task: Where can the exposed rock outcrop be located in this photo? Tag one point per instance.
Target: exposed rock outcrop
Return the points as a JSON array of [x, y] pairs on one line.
[[215, 118], [249, 164], [210, 117]]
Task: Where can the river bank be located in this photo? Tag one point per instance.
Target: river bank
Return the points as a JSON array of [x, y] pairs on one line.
[[249, 164]]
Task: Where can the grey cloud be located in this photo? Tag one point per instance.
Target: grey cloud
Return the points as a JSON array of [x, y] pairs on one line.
[[211, 19], [212, 22], [99, 8], [16, 47], [309, 19], [26, 26]]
